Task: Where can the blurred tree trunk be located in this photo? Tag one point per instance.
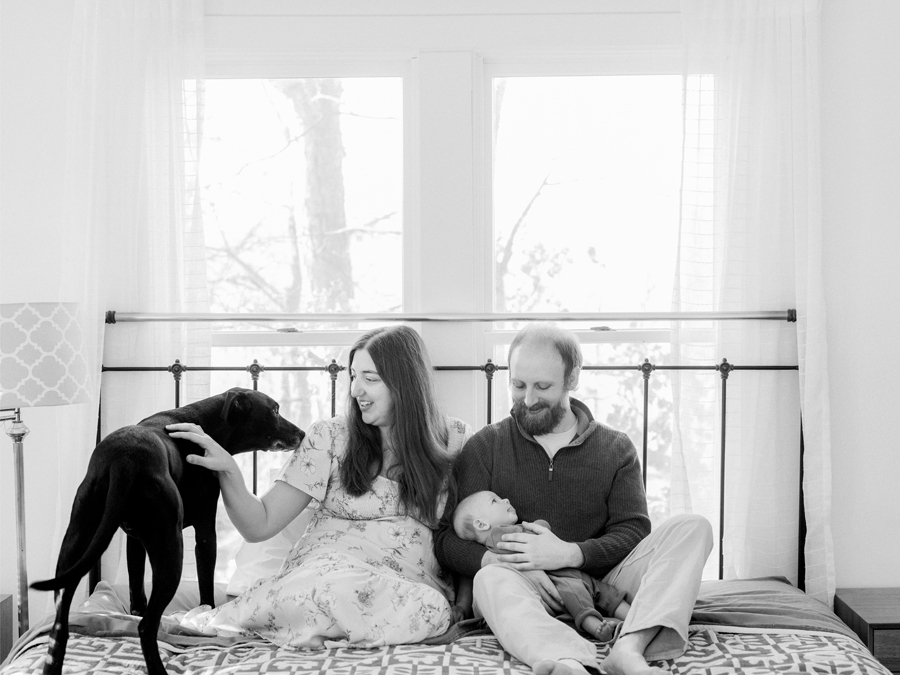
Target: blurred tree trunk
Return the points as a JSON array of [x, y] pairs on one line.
[[317, 102]]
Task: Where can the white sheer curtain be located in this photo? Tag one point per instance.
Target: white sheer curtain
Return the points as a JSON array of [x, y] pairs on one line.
[[133, 231], [751, 240]]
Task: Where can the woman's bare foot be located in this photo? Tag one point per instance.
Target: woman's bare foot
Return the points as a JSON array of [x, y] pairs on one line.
[[556, 668], [627, 662], [316, 642]]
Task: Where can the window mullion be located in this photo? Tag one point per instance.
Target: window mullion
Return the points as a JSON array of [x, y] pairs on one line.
[[450, 253]]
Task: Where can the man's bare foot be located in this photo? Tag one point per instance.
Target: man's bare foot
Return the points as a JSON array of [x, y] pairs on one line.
[[627, 662], [555, 668]]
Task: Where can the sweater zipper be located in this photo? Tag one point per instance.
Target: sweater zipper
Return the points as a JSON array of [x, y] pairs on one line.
[[550, 478]]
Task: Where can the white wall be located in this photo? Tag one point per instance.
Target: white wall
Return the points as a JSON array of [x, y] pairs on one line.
[[862, 229], [34, 44], [861, 176]]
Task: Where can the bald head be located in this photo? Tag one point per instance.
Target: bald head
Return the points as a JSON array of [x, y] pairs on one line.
[[542, 335]]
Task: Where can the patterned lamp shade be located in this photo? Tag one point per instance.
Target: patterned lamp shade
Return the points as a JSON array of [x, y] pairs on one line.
[[42, 349]]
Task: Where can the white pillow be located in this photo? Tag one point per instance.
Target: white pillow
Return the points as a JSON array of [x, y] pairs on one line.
[[115, 598], [256, 561]]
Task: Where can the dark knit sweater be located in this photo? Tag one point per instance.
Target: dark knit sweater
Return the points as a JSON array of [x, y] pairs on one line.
[[591, 492]]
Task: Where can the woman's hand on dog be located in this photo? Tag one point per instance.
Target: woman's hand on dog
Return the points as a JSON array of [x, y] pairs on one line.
[[215, 457]]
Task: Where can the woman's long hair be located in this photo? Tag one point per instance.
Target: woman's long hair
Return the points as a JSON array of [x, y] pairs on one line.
[[418, 433]]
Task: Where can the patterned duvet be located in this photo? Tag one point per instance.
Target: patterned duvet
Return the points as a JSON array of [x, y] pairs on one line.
[[746, 627], [709, 652]]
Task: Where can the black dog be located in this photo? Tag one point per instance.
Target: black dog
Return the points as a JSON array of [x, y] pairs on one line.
[[138, 479]]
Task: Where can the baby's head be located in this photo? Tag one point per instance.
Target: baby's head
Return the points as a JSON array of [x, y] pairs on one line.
[[475, 515]]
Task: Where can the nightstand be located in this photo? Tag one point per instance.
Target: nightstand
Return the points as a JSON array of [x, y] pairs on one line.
[[874, 615], [6, 624]]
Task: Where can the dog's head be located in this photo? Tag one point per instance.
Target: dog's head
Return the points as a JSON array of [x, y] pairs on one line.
[[256, 423]]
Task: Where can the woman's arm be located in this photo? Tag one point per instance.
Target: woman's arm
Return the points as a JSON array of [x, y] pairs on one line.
[[257, 519]]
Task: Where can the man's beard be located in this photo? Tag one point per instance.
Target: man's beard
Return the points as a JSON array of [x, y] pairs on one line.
[[540, 418]]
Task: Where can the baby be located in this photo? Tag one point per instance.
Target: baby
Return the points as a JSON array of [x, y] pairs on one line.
[[484, 517]]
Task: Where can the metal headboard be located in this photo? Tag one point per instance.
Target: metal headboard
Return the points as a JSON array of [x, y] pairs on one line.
[[725, 369]]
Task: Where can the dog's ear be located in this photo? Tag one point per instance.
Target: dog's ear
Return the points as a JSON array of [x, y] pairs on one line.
[[236, 402]]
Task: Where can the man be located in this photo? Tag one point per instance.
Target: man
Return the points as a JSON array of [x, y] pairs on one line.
[[553, 461]]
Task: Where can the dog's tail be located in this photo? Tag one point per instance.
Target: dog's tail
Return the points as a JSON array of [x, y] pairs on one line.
[[119, 487]]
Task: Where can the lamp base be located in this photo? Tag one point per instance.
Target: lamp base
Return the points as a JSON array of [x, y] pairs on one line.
[[17, 431]]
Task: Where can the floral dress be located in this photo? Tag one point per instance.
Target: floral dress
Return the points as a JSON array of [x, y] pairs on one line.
[[363, 573]]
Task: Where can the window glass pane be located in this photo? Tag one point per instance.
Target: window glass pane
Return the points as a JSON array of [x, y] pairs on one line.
[[302, 194], [586, 192]]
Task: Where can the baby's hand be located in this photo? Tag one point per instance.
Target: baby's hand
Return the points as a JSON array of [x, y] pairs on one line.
[[457, 614]]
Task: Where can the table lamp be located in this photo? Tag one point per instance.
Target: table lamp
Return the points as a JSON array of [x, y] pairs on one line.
[[41, 364]]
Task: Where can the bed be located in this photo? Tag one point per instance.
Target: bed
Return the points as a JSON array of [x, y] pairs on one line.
[[745, 627], [748, 626]]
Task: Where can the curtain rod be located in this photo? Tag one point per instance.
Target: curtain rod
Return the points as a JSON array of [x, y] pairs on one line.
[[789, 315]]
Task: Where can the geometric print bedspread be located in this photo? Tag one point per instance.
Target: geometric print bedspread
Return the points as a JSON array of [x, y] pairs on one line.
[[710, 653]]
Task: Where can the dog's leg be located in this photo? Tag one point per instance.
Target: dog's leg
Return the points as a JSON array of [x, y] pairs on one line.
[[165, 549], [205, 555], [165, 562], [59, 634], [135, 557]]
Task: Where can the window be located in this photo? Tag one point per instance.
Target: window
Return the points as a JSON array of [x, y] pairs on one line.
[[564, 121]]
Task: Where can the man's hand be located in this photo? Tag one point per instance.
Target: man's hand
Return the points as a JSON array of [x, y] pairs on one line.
[[545, 588], [538, 549]]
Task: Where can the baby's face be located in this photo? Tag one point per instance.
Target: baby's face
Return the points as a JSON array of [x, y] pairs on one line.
[[495, 511]]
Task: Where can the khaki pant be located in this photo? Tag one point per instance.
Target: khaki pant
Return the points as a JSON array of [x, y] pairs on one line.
[[666, 567]]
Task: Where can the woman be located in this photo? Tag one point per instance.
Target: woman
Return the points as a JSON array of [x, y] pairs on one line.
[[364, 573]]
